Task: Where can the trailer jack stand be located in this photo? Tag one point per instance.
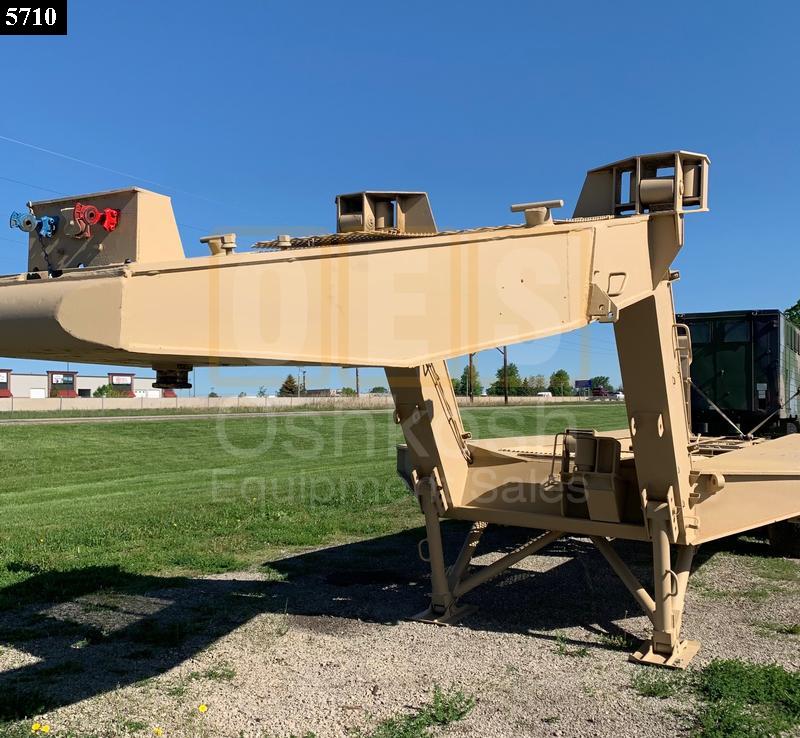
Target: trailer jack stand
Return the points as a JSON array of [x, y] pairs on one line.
[[679, 658], [449, 585], [665, 611]]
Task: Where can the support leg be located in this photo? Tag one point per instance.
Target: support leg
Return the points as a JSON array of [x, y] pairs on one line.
[[683, 568], [444, 608], [447, 586], [665, 648]]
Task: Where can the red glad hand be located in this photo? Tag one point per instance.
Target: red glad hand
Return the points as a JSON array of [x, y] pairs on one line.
[[89, 214], [110, 219]]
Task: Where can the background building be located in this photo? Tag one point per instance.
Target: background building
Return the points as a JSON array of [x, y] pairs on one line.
[[60, 383]]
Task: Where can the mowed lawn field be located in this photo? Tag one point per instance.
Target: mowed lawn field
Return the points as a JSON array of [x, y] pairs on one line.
[[217, 494]]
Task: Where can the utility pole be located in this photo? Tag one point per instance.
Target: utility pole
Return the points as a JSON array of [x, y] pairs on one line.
[[504, 351], [298, 381], [505, 374], [470, 390], [358, 388]]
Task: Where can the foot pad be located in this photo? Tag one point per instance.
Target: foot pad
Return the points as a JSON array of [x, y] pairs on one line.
[[684, 652], [452, 615]]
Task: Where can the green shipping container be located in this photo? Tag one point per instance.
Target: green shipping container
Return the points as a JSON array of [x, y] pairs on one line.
[[748, 364]]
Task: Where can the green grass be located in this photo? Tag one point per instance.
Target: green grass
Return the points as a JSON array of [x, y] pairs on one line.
[[773, 576], [15, 730], [210, 495], [23, 730], [660, 684], [618, 641], [318, 406], [133, 726], [776, 569], [446, 707], [751, 593], [786, 629], [220, 673], [747, 700], [562, 649], [737, 699], [167, 411]]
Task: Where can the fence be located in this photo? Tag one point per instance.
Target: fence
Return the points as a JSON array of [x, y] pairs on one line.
[[205, 404]]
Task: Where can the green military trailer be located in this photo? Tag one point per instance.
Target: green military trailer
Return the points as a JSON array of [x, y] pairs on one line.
[[745, 377], [745, 372]]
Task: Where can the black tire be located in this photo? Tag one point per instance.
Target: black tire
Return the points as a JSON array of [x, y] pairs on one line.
[[784, 538]]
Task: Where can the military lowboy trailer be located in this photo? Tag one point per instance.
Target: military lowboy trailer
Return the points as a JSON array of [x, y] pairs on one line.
[[745, 372], [111, 285]]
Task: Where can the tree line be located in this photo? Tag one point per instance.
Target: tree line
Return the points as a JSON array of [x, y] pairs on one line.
[[289, 388], [559, 383]]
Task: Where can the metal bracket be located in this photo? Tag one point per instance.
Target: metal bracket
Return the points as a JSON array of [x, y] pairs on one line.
[[665, 510], [601, 307], [431, 486]]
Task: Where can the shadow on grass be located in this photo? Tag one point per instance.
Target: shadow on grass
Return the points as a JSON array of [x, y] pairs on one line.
[[95, 629]]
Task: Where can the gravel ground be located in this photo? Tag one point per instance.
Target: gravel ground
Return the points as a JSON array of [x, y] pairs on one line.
[[317, 642]]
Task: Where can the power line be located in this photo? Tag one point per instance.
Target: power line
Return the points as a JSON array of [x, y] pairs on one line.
[[588, 349], [564, 345], [28, 184], [194, 228], [104, 168]]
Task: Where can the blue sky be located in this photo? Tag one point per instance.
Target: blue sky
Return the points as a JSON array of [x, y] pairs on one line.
[[252, 115]]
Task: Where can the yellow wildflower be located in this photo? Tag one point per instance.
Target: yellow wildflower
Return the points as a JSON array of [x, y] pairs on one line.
[[203, 707], [45, 729], [158, 731], [36, 727]]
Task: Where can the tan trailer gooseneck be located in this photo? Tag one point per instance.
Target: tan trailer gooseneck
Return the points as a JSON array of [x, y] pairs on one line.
[[390, 290]]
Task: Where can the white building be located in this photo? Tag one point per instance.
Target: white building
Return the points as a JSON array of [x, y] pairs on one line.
[[60, 383]]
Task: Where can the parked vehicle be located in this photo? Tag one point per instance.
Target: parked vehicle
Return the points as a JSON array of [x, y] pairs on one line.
[[747, 363]]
